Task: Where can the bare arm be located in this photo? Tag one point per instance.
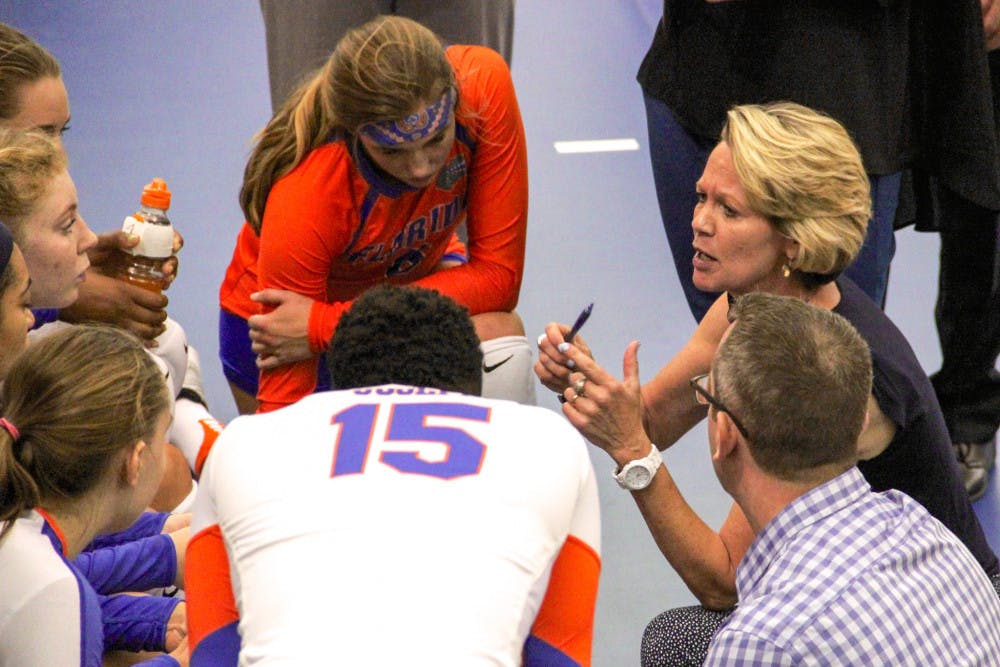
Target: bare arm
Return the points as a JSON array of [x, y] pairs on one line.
[[669, 407], [609, 414]]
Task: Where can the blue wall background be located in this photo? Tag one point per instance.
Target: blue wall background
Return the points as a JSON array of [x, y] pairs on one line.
[[177, 88]]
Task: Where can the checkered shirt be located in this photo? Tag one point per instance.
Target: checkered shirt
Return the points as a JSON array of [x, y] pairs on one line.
[[845, 576]]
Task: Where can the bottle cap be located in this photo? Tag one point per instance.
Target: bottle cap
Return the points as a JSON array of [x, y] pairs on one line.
[[156, 195]]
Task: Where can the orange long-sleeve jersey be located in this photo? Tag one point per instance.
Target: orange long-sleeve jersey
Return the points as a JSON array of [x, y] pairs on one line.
[[334, 226]]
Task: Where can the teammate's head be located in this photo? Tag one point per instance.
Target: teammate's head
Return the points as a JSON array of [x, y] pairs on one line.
[[16, 317], [32, 92], [797, 377], [85, 406], [406, 335], [38, 202], [800, 169], [381, 71]]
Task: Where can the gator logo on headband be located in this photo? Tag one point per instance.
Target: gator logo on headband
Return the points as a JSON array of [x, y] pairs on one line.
[[415, 126]]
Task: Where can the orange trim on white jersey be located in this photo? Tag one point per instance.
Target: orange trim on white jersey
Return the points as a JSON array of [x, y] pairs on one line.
[[566, 618], [207, 586]]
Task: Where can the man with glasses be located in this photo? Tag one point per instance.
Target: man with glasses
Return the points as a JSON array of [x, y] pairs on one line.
[[834, 574]]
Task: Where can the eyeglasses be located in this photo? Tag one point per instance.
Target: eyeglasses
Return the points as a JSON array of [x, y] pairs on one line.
[[701, 394]]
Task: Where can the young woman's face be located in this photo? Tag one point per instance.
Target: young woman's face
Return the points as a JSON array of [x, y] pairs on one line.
[[415, 163], [736, 249], [42, 105], [55, 244], [16, 317]]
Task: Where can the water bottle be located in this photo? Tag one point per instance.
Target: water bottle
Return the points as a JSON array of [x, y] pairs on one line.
[[143, 264]]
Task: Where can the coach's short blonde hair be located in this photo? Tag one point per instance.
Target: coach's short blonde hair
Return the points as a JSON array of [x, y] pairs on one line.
[[800, 169]]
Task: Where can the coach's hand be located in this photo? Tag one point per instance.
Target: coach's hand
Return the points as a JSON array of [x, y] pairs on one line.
[[553, 367], [607, 411], [280, 336]]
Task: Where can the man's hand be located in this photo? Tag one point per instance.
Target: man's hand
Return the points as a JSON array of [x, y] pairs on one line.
[[281, 336]]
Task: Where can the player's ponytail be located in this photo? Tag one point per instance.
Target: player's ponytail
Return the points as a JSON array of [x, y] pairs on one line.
[[18, 491]]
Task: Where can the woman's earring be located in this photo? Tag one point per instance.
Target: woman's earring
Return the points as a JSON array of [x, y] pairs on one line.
[[786, 270]]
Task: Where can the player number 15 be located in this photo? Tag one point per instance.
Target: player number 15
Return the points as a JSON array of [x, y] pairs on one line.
[[408, 422]]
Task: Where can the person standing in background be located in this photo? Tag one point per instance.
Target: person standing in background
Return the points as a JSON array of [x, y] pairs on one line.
[[849, 60], [301, 33], [958, 197]]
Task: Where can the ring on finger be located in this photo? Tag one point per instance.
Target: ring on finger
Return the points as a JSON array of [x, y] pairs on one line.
[[578, 386]]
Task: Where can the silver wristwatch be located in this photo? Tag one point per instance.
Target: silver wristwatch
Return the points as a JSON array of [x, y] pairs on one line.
[[638, 474]]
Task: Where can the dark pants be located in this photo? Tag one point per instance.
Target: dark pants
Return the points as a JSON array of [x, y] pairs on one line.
[[968, 318]]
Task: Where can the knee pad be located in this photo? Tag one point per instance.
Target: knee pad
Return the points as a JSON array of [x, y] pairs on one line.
[[172, 348], [508, 369], [193, 431]]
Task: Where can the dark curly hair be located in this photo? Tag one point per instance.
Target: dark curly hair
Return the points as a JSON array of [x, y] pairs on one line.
[[406, 335]]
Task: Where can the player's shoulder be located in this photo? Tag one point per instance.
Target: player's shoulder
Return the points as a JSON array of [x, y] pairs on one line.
[[29, 562], [466, 53]]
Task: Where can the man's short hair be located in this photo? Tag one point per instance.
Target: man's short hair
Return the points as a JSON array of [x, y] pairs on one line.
[[798, 378], [406, 335]]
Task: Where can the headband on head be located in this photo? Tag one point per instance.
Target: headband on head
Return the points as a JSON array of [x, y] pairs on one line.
[[415, 126], [10, 428], [6, 247]]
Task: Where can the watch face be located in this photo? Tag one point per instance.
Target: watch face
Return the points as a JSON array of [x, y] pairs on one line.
[[637, 478]]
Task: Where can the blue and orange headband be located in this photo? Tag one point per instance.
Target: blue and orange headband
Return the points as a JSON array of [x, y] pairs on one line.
[[415, 126]]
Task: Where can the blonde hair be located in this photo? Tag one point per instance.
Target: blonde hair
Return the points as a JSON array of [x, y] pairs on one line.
[[22, 61], [29, 162], [800, 169], [379, 72], [77, 398]]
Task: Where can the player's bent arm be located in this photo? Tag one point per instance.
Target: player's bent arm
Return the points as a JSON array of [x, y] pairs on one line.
[[148, 562], [212, 615], [136, 622], [563, 630], [670, 409], [147, 525], [564, 627], [704, 559]]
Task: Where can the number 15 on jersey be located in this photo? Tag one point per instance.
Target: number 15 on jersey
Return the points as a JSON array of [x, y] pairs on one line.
[[409, 422]]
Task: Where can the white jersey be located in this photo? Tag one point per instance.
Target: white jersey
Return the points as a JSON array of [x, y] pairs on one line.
[[397, 525]]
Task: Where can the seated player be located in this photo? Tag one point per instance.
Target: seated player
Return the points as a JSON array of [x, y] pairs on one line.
[[82, 444], [38, 201], [400, 520]]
